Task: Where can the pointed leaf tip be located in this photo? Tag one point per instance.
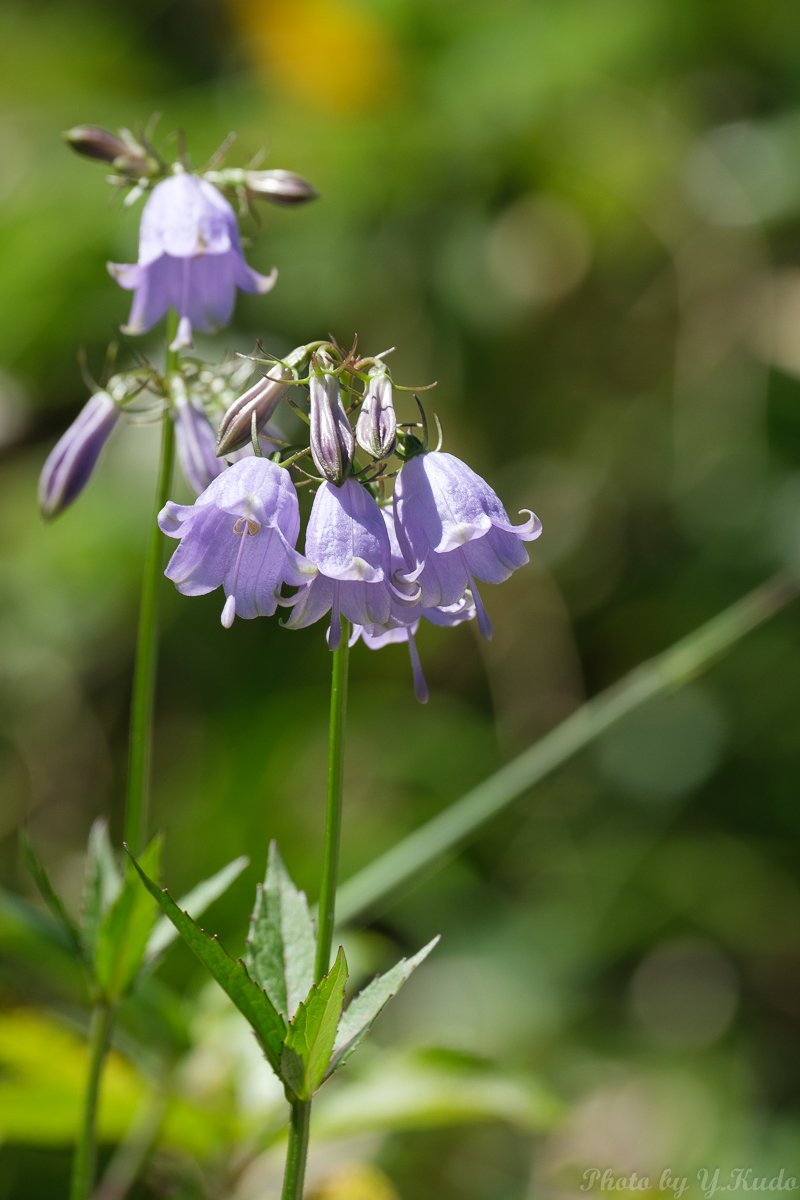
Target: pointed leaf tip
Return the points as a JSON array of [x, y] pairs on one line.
[[370, 1002]]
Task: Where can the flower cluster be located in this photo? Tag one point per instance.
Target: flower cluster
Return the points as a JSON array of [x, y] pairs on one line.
[[191, 262], [381, 561]]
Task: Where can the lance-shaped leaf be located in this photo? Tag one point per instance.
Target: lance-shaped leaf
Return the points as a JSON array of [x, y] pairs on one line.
[[280, 944], [102, 883], [366, 1006], [124, 929], [231, 974], [311, 1035], [195, 901], [50, 895]]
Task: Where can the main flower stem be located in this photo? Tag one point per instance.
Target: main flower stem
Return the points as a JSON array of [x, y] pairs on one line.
[[83, 1168], [144, 675], [297, 1150], [333, 815]]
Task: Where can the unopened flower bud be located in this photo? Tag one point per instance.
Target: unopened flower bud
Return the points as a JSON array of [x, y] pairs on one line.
[[281, 187], [194, 438], [376, 428], [72, 460], [258, 403], [127, 156], [332, 442]]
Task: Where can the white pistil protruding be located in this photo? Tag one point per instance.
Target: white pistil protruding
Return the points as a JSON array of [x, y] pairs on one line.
[[242, 528]]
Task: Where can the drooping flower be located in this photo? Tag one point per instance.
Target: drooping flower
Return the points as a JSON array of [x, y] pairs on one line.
[[376, 428], [453, 530], [331, 436], [239, 535], [195, 441], [346, 540], [190, 259], [71, 461]]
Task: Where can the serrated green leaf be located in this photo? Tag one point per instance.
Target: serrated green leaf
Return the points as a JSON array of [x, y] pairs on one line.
[[280, 943], [50, 895], [311, 1035], [124, 930], [195, 901], [366, 1006], [231, 974], [102, 883]]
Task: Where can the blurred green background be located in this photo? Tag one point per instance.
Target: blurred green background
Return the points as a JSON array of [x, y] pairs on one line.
[[583, 219]]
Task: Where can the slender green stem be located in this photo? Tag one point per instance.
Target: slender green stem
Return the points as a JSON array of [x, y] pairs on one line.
[[83, 1167], [333, 816], [144, 676], [297, 1150], [438, 838]]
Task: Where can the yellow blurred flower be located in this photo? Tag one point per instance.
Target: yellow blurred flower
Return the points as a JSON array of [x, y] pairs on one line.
[[356, 1181], [334, 54]]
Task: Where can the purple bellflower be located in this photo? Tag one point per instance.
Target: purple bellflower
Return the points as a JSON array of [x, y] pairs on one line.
[[72, 459], [347, 541], [405, 617], [239, 535], [195, 441], [453, 530], [190, 259]]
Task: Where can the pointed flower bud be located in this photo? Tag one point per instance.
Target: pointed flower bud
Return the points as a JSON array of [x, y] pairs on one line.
[[259, 401], [71, 462], [332, 442], [92, 141], [376, 428], [281, 187], [194, 438]]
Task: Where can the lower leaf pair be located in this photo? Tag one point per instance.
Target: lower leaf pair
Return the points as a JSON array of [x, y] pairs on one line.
[[299, 1022]]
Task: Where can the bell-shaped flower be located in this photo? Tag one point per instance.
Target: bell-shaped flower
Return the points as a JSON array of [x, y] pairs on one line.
[[238, 535], [346, 540], [194, 439], [71, 461], [453, 530], [376, 428], [190, 259], [332, 440]]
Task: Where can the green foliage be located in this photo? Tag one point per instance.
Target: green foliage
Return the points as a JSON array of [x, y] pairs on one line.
[[231, 974], [124, 931], [198, 900], [280, 945], [312, 1033], [367, 1005], [50, 896], [102, 883]]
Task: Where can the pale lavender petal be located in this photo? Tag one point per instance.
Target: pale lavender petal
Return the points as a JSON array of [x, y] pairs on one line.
[[346, 536], [71, 461], [196, 444]]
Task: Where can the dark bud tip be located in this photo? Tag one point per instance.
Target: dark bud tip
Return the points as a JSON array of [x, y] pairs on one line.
[[92, 141]]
